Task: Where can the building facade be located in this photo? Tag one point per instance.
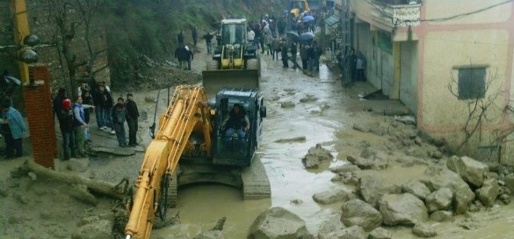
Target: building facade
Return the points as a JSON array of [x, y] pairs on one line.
[[449, 62]]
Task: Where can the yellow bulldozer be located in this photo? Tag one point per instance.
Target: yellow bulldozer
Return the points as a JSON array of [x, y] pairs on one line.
[[235, 61]]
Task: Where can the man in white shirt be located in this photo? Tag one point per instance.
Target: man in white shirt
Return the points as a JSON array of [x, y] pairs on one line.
[[251, 35]]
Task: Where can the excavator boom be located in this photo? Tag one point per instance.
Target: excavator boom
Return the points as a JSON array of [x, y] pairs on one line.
[[187, 113]]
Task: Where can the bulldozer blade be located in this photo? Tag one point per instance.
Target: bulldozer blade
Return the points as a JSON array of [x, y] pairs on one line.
[[215, 80]]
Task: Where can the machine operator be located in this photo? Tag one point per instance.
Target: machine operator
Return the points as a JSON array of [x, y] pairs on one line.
[[237, 123]]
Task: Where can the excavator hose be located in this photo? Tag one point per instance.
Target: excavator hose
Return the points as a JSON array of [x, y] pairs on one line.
[[162, 208]]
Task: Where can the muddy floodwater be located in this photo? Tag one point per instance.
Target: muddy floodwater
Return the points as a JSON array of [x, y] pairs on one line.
[[204, 204]]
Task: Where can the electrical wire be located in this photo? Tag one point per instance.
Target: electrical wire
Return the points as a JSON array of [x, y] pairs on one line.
[[442, 19]]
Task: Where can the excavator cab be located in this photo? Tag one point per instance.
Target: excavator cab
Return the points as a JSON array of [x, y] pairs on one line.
[[231, 150]]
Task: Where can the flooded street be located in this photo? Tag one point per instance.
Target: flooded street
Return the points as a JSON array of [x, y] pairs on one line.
[[205, 204]]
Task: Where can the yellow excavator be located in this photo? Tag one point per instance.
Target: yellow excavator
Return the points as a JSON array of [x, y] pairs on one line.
[[190, 147], [298, 7]]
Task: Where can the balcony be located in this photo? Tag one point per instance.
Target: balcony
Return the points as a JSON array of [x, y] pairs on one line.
[[396, 13]]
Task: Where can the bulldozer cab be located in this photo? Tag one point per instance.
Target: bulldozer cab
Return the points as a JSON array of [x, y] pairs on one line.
[[297, 7], [230, 148], [233, 32]]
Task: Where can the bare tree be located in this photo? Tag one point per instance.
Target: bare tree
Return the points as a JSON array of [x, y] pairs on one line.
[[74, 19], [479, 109]]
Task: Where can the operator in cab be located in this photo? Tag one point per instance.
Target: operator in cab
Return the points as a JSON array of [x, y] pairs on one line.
[[237, 123]]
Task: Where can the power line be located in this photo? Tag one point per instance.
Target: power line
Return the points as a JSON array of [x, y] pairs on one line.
[[442, 19]]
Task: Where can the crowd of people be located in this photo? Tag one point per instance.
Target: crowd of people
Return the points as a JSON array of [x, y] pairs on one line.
[[271, 38], [352, 65], [74, 117]]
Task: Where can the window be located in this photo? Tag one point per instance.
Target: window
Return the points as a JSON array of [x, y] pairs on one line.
[[471, 83]]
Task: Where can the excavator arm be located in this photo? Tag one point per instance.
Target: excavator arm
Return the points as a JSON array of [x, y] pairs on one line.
[[188, 112]]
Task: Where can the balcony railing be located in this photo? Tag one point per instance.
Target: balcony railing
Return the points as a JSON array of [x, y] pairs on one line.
[[397, 13]]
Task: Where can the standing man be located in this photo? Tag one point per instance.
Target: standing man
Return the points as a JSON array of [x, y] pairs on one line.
[[284, 52], [119, 115], [294, 52], [132, 115], [14, 126], [68, 137], [80, 125], [189, 58], [194, 34], [251, 35], [208, 42], [180, 38], [57, 102]]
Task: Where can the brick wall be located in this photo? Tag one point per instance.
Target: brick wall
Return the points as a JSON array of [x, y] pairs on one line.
[[38, 108]]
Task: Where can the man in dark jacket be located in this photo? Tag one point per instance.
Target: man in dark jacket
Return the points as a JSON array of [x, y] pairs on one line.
[[208, 42], [294, 52], [284, 52], [194, 34], [237, 123], [184, 56], [180, 38], [119, 115], [68, 137], [132, 115], [57, 102]]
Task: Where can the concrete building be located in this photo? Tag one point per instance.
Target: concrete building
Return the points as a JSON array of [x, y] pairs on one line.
[[449, 62]]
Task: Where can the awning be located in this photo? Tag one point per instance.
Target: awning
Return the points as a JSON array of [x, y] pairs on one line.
[[332, 20]]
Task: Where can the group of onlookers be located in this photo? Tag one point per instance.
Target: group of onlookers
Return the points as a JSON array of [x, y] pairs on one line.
[[74, 117]]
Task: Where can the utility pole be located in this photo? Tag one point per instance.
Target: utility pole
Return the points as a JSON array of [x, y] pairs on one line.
[[35, 81]]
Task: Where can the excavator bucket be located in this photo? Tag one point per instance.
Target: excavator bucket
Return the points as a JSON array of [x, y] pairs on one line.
[[215, 80]]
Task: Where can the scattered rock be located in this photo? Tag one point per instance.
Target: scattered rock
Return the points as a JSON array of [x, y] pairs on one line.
[[441, 216], [101, 229], [447, 178], [354, 232], [315, 156], [357, 212], [505, 198], [439, 200], [287, 104], [416, 188], [32, 176], [424, 230], [371, 189], [333, 196], [331, 225], [380, 233], [360, 127], [278, 223], [210, 235], [470, 170], [150, 99], [488, 192], [509, 182], [291, 140], [364, 163], [78, 164], [296, 201], [405, 209], [346, 178], [308, 98], [407, 119], [346, 168]]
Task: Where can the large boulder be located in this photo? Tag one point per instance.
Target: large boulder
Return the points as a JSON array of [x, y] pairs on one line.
[[100, 229], [424, 230], [354, 232], [470, 170], [333, 196], [278, 223], [315, 156], [357, 212], [367, 163], [489, 191], [447, 178], [371, 189], [331, 224], [439, 200], [404, 209], [416, 188], [380, 233]]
